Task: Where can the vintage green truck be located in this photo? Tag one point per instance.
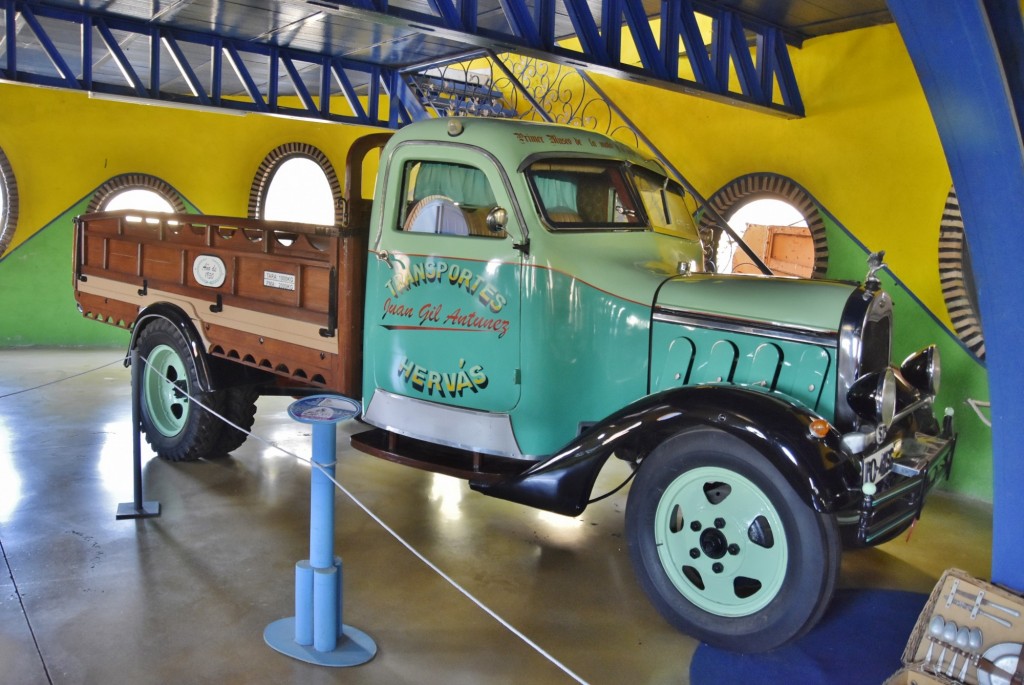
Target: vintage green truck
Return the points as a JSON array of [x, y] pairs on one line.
[[517, 304]]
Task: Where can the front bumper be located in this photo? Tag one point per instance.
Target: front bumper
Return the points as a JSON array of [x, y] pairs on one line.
[[918, 462]]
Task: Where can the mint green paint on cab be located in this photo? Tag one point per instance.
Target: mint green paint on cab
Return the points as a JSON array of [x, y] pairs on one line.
[[583, 298], [586, 327], [584, 357], [446, 330], [787, 302], [584, 312], [510, 144], [442, 320]]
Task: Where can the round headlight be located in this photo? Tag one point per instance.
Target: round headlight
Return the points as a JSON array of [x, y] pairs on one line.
[[923, 370], [886, 398], [873, 397]]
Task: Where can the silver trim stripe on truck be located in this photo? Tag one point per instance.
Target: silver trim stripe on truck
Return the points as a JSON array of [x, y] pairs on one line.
[[762, 329]]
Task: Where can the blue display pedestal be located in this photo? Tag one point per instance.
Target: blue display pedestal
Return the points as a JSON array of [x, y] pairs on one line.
[[317, 633]]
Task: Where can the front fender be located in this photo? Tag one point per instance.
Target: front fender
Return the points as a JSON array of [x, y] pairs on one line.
[[777, 428]]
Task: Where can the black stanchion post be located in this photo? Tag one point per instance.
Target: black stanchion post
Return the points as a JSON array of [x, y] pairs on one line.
[[137, 509]]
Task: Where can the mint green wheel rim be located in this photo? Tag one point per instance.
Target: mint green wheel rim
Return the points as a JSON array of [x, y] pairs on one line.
[[162, 382], [714, 548]]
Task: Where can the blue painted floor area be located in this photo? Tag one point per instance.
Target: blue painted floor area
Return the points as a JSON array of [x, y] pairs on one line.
[[860, 640]]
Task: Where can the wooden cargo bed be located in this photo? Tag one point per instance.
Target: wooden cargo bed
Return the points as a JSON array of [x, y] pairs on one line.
[[261, 293]]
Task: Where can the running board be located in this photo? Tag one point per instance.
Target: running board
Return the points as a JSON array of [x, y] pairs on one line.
[[451, 461]]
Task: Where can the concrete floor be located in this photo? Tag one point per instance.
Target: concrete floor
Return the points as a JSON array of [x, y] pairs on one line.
[[185, 597]]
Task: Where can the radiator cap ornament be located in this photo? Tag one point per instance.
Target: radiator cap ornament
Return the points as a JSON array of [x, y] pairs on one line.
[[875, 263]]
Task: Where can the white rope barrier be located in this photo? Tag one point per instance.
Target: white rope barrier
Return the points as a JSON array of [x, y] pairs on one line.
[[61, 380], [355, 500]]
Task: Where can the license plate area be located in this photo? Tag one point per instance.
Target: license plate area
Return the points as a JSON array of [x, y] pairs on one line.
[[877, 465]]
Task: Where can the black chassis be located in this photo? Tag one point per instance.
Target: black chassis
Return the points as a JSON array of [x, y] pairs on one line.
[[823, 474]]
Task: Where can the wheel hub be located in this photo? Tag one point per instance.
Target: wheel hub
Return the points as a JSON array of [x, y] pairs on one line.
[[713, 543]]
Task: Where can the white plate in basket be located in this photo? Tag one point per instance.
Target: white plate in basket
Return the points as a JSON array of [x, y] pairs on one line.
[[1005, 656]]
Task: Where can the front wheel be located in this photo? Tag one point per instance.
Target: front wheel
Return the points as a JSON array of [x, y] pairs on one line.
[[723, 546], [176, 428]]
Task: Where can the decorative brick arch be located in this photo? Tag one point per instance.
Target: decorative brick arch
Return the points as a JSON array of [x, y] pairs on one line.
[[957, 277], [9, 197], [765, 186], [124, 182], [281, 154]]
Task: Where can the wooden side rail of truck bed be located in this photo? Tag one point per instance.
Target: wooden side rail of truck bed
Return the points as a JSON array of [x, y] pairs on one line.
[[272, 295]]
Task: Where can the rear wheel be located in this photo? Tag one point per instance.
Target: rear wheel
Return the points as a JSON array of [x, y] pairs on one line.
[[725, 548], [176, 428], [238, 405]]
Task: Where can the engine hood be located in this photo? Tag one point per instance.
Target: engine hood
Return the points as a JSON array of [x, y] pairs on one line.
[[630, 265], [813, 305]]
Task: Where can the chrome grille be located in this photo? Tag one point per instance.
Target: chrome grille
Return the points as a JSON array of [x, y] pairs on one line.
[[865, 344]]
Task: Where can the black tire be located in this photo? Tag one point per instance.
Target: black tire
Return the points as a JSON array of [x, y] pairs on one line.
[[175, 427], [238, 405], [723, 546]]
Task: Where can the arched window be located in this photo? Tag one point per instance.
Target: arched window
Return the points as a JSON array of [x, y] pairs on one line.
[[137, 191], [138, 198], [786, 228], [296, 182], [8, 203], [776, 232]]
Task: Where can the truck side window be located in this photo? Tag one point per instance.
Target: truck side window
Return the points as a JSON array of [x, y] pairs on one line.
[[669, 207], [446, 198]]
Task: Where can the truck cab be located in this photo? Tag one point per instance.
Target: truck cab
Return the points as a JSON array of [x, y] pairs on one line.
[[511, 281]]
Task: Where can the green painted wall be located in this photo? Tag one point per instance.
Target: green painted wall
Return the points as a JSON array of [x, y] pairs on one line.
[[38, 298]]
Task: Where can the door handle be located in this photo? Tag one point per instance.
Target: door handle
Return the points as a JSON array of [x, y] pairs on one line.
[[385, 256]]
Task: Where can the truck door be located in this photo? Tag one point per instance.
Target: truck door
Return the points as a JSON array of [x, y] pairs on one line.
[[442, 301]]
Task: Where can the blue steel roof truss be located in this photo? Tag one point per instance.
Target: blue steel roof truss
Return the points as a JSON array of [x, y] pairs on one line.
[[66, 43], [78, 71]]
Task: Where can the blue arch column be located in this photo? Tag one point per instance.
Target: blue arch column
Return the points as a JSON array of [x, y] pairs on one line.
[[967, 56]]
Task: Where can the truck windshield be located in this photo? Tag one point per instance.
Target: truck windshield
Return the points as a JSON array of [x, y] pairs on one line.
[[585, 195], [669, 208]]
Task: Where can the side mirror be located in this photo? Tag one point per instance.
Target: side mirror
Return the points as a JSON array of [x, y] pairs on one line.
[[497, 220]]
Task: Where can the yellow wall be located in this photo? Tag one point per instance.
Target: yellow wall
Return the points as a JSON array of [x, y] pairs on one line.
[[867, 149], [62, 145]]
